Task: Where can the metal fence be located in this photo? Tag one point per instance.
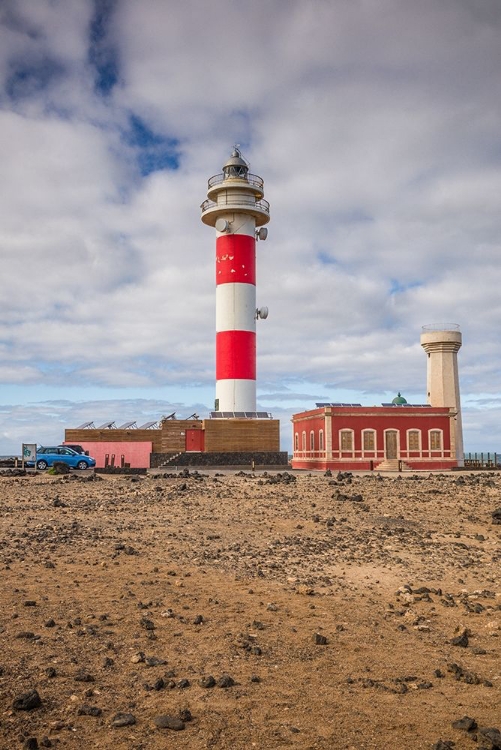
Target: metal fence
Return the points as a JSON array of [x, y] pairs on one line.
[[482, 460]]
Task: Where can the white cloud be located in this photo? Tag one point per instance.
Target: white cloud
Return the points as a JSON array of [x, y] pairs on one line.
[[376, 129]]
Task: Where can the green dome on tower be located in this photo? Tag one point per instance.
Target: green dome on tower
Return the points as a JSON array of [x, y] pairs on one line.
[[399, 399]]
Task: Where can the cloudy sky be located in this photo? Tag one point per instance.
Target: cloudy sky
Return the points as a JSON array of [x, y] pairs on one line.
[[376, 125]]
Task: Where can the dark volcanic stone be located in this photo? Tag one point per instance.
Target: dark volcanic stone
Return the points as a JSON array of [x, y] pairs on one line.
[[185, 714], [492, 735], [165, 721], [123, 720], [461, 640], [154, 661], [86, 710], [27, 701], [465, 723], [31, 744], [443, 745], [496, 516], [207, 682], [83, 676], [320, 640], [225, 681], [183, 684]]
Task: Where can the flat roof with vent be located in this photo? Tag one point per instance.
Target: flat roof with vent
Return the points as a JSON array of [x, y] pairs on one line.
[[240, 415]]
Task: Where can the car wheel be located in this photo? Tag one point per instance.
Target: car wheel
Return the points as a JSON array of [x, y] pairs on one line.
[[82, 465], [42, 465]]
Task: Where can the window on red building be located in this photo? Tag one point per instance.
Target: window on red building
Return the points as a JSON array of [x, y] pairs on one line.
[[435, 440], [413, 440], [369, 440], [321, 440], [296, 441], [312, 441], [346, 440]]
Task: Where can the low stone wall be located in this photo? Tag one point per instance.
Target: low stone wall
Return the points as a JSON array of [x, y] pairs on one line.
[[119, 470], [269, 459]]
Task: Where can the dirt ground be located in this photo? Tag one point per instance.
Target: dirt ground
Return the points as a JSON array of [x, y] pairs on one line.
[[358, 613]]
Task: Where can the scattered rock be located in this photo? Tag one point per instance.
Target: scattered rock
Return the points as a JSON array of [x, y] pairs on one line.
[[83, 676], [166, 721], [320, 640], [85, 710], [462, 639], [123, 720], [466, 724], [225, 681], [207, 682], [185, 715], [492, 735], [27, 701]]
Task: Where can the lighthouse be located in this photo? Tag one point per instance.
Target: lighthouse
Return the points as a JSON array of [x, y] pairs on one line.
[[237, 210]]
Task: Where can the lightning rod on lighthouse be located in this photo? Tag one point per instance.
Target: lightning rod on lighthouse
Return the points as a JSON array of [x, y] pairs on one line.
[[236, 208]]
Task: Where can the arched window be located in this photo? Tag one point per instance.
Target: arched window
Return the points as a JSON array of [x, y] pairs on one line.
[[321, 440], [312, 441], [296, 441], [303, 441]]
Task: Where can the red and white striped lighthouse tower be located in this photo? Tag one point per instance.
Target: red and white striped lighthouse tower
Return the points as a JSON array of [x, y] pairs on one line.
[[236, 208]]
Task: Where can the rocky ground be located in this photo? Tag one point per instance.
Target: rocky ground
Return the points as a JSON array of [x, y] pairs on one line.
[[241, 611]]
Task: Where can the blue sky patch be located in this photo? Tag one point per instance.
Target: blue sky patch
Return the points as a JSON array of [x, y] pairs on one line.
[[398, 287], [29, 78], [103, 55], [154, 152]]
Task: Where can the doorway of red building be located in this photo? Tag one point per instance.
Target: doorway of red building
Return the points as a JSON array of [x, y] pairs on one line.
[[391, 444]]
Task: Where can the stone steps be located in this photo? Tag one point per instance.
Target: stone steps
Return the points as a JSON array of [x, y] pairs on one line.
[[393, 464]]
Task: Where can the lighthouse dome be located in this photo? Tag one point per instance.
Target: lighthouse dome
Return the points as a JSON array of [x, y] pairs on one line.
[[399, 400], [235, 166]]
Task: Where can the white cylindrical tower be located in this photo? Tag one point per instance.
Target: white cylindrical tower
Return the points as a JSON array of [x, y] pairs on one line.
[[441, 344], [236, 208]]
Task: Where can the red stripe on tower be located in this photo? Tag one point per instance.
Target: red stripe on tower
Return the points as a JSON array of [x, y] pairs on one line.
[[235, 259], [236, 355]]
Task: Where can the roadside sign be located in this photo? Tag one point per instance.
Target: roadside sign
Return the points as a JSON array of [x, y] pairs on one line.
[[29, 453]]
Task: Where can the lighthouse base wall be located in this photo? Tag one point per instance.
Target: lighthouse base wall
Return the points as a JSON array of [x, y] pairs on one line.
[[235, 460], [242, 441]]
